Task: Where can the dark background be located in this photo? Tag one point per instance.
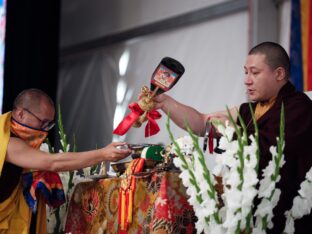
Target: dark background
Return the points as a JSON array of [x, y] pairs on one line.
[[31, 48]]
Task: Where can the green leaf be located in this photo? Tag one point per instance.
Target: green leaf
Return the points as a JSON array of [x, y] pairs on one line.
[[62, 134], [47, 141], [256, 135]]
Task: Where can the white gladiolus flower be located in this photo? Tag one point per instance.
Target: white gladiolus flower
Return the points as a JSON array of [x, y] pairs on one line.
[[230, 146], [269, 170], [276, 197], [290, 223], [229, 131], [266, 187], [234, 198], [192, 193], [251, 178], [177, 162], [184, 175], [219, 159], [258, 230], [221, 129], [204, 187], [44, 147], [229, 160], [264, 208], [200, 224], [301, 207], [252, 162], [197, 166], [236, 166], [306, 190], [209, 205], [231, 219], [216, 229], [201, 212], [232, 179], [309, 175], [248, 196], [186, 146], [217, 170], [273, 150]]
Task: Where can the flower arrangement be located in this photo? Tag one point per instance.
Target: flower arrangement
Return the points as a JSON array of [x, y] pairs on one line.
[[223, 198], [56, 217], [302, 204]]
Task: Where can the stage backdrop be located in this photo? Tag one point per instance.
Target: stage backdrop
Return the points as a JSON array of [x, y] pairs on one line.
[[95, 87]]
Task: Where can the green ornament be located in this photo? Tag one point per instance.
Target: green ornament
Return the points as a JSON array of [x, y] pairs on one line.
[[152, 152]]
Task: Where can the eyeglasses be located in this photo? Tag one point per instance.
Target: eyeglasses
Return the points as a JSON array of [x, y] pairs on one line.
[[45, 125]]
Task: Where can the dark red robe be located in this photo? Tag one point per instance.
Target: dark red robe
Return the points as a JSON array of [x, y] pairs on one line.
[[298, 148]]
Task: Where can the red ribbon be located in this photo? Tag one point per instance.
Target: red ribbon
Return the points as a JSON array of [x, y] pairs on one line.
[[151, 128]]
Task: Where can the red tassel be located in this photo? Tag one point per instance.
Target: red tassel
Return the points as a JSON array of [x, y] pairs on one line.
[[210, 140]]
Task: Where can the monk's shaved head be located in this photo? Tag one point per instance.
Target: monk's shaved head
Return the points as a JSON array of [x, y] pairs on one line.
[[31, 99]]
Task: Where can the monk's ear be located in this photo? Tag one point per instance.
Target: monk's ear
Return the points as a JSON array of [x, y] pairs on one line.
[[18, 113], [280, 73]]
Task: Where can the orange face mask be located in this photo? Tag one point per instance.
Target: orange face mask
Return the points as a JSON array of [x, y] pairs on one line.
[[33, 137]]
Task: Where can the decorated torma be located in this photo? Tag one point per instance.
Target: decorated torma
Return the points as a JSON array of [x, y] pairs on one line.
[[165, 76]]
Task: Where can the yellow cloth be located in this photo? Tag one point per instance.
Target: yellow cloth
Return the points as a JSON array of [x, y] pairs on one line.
[[263, 107], [15, 215], [4, 136]]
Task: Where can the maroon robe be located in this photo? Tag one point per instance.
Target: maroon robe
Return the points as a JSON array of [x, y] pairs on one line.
[[298, 148]]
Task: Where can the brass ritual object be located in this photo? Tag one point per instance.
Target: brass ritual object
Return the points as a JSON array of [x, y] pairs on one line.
[[146, 103]]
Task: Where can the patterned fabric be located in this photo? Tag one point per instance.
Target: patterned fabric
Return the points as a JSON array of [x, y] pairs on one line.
[[160, 206], [49, 184]]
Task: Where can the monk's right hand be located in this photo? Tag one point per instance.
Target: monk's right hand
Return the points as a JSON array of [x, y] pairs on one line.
[[113, 154], [160, 100]]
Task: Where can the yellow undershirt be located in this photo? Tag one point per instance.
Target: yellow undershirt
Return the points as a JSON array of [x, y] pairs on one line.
[[263, 107]]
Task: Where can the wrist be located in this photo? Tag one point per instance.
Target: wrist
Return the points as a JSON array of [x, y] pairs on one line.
[[103, 154], [167, 103]]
